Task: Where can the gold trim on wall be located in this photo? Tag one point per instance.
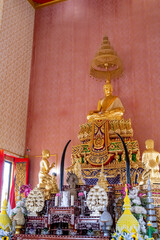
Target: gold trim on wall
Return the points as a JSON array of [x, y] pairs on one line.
[[7, 151], [40, 5], [32, 3]]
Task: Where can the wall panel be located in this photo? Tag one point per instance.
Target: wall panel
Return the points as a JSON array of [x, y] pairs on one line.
[[16, 37]]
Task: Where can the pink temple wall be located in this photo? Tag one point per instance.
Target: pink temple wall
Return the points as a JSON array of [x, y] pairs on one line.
[[67, 36]]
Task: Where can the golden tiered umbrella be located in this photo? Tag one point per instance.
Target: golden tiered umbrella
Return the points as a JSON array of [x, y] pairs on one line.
[[106, 64]]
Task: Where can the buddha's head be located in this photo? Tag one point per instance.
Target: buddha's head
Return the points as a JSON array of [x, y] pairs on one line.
[[45, 154], [149, 144], [108, 89]]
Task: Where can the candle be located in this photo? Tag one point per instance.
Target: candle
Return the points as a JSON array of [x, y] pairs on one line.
[[56, 201], [72, 200]]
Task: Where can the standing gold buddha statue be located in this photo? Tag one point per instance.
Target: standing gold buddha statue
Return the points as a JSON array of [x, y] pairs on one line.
[[46, 181], [151, 161]]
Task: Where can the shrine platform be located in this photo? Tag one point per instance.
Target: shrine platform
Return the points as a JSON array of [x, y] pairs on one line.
[[55, 237]]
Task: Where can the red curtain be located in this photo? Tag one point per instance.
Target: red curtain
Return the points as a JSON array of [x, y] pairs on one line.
[[1, 169], [20, 177], [12, 201]]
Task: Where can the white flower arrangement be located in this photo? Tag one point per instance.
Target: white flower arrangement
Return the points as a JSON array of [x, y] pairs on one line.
[[125, 236], [5, 234], [137, 208], [137, 201]]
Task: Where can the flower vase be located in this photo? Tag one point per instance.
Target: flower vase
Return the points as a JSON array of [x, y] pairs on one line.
[[81, 194], [58, 201], [82, 207]]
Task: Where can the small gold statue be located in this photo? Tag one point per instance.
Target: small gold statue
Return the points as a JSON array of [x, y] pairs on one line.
[[77, 168], [151, 161], [54, 186], [102, 181], [46, 181], [116, 158], [110, 107]]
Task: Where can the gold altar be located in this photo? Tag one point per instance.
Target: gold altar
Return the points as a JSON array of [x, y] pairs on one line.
[[107, 157]]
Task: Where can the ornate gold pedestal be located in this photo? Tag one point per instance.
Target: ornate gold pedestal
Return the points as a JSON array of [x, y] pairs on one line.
[[100, 144], [18, 229]]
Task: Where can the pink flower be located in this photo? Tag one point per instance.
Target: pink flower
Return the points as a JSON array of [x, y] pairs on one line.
[[25, 189], [140, 194], [80, 194], [58, 194]]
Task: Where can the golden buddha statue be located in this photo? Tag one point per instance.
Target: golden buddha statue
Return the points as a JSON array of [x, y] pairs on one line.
[[151, 161], [109, 107], [77, 172], [46, 181], [54, 186], [107, 65]]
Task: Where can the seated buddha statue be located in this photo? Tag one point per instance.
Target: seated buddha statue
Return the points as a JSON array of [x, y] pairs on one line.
[[109, 107], [151, 161]]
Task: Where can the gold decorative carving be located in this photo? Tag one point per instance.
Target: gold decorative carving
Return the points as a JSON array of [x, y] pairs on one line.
[[85, 132], [106, 63], [20, 168], [114, 153]]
